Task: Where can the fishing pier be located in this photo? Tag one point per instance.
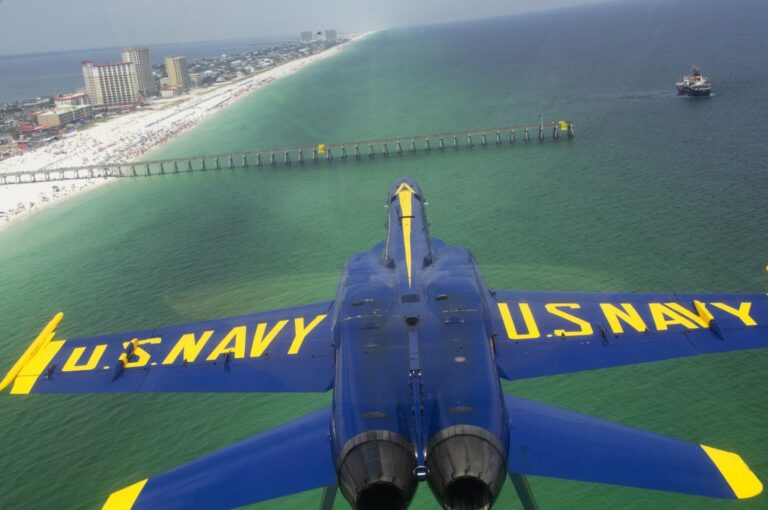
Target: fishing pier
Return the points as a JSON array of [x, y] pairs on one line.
[[303, 155]]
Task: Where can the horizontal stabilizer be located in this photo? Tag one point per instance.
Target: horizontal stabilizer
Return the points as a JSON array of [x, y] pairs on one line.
[[547, 441], [294, 457]]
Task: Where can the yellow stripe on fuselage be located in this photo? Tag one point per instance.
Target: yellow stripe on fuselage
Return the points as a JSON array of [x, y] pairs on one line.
[[405, 194], [740, 478], [125, 498]]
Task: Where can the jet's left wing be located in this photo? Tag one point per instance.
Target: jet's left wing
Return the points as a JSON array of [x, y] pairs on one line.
[[547, 333], [288, 350]]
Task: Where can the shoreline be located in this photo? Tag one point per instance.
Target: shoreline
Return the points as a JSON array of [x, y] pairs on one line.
[[130, 137]]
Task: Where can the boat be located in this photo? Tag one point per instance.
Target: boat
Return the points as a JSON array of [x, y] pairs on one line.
[[694, 84]]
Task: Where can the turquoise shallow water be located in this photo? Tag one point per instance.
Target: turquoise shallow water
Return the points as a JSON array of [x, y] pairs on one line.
[[656, 193]]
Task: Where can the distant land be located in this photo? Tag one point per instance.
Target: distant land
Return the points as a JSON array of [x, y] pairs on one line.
[[31, 75]]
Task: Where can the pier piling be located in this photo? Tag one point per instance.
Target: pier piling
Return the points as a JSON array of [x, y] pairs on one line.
[[527, 136], [442, 144], [386, 151], [231, 162], [426, 145], [357, 151], [371, 153], [413, 146], [399, 147], [469, 141]]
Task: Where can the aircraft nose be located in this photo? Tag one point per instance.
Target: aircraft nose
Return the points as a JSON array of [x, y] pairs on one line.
[[405, 184]]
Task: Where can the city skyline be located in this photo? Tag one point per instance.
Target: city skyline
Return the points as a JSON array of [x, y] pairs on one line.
[[123, 23]]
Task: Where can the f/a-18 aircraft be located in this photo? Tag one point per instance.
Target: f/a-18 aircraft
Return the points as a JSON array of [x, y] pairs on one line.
[[413, 348]]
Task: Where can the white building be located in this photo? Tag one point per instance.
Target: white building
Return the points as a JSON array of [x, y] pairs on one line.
[[140, 59], [115, 84]]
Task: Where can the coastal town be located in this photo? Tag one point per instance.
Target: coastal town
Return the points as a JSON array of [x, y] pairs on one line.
[[130, 107], [134, 82]]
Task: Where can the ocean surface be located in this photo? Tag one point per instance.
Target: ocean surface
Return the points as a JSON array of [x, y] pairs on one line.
[[31, 75], [656, 193]]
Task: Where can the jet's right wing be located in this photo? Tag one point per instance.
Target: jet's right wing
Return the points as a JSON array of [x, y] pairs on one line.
[[548, 333]]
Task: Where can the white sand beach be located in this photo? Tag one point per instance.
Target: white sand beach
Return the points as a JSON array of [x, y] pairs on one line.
[[128, 137]]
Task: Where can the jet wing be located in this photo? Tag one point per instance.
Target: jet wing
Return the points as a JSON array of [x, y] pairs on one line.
[[288, 350], [547, 333]]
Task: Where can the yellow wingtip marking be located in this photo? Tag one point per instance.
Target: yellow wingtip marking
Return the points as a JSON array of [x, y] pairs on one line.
[[125, 498], [740, 478], [45, 336]]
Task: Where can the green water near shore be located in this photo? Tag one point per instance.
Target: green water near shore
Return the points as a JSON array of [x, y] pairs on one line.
[[656, 193]]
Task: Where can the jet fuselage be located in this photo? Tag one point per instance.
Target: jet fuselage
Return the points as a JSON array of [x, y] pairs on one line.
[[416, 385]]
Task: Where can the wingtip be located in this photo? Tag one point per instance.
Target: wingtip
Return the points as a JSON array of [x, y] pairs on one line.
[[742, 481], [45, 336], [125, 498]]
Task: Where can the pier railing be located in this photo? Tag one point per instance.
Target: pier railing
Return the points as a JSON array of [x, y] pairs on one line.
[[323, 152]]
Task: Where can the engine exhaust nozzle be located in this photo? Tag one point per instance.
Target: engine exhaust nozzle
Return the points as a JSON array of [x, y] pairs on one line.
[[376, 471], [467, 467]]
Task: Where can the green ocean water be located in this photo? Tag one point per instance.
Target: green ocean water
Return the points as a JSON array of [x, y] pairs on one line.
[[656, 193]]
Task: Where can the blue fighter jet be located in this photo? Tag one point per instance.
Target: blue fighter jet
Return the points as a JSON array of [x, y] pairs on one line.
[[413, 348]]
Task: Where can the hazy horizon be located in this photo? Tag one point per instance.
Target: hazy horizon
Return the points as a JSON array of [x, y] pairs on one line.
[[144, 23]]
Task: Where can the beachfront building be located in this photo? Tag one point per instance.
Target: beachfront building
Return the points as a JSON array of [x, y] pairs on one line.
[[166, 92], [63, 115], [79, 99], [178, 73], [111, 85], [306, 36], [330, 35], [140, 59]]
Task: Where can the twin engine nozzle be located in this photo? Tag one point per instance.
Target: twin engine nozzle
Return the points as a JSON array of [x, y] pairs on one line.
[[467, 466]]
